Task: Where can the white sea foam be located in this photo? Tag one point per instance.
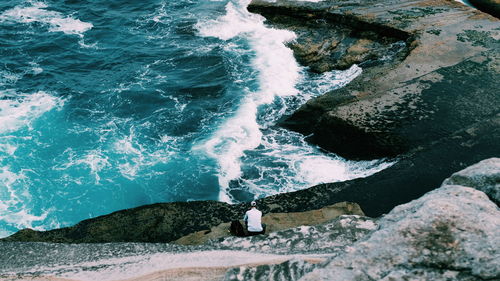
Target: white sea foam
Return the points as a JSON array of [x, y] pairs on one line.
[[38, 12], [283, 87], [21, 110], [7, 77], [35, 68], [13, 200], [18, 111], [306, 165], [134, 157], [278, 74]]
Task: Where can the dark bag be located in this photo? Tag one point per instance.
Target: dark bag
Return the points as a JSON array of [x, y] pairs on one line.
[[237, 229]]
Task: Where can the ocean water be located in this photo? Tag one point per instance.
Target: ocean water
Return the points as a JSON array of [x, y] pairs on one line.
[[106, 105]]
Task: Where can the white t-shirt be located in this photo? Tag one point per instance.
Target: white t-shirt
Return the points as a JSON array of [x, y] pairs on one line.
[[253, 218]]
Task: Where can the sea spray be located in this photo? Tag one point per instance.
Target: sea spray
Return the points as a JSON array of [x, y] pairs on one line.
[[278, 74], [241, 144]]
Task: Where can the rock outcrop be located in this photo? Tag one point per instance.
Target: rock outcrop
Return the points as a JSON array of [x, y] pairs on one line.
[[430, 70], [451, 233], [329, 238], [484, 176], [152, 223], [433, 105], [190, 223]]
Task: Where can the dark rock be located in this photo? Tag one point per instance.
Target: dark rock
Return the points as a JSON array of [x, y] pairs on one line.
[[491, 7], [327, 40], [152, 223], [410, 177]]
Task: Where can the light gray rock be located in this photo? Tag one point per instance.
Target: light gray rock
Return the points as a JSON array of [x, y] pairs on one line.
[[484, 176], [330, 238], [451, 233]]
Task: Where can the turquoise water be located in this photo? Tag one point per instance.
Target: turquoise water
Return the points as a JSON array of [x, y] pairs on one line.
[[106, 105]]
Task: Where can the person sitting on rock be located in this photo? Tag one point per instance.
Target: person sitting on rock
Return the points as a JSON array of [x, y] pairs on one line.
[[253, 220]]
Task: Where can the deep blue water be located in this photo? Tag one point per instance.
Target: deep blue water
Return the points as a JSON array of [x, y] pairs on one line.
[[107, 104]]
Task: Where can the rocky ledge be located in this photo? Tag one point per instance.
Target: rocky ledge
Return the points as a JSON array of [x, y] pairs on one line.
[[451, 233], [430, 70]]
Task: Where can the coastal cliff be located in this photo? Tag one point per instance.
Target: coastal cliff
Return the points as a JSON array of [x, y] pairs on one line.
[[427, 98]]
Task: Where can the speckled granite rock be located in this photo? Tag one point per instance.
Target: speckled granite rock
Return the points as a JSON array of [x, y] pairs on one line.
[[288, 271], [484, 176], [451, 233]]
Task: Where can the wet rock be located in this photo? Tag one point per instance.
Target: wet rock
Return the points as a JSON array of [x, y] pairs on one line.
[[328, 41], [432, 72], [484, 176], [491, 7]]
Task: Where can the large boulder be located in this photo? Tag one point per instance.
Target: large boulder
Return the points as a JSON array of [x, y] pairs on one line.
[[452, 233]]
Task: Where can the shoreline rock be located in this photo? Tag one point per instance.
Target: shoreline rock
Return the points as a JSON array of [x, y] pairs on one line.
[[450, 233], [442, 80]]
